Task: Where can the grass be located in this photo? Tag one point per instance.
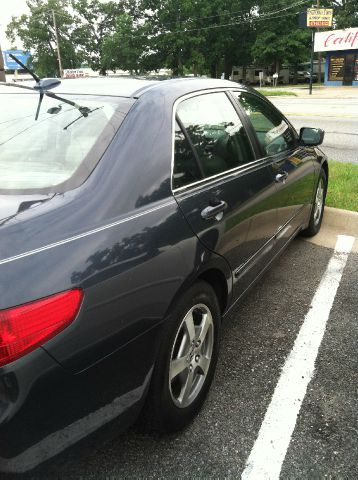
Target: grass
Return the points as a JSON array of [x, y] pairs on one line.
[[343, 186], [276, 93]]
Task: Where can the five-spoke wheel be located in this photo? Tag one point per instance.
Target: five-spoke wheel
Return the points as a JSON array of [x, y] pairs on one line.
[[191, 355], [186, 359], [318, 206]]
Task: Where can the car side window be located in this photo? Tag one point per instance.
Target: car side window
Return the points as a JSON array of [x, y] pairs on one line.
[[273, 132], [186, 169], [216, 132]]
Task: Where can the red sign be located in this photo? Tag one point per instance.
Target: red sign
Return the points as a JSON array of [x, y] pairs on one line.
[[323, 23]]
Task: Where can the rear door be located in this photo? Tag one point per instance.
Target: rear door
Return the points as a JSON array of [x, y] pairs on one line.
[[221, 187]]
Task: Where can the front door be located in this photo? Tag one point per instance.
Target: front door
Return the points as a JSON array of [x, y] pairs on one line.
[[292, 165], [221, 188], [348, 76]]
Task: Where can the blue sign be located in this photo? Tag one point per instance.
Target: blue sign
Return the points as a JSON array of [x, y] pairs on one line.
[[10, 64]]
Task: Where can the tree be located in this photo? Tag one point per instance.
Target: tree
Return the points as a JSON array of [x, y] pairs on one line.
[[345, 13], [228, 38], [125, 48], [95, 22], [198, 36], [37, 33], [278, 38], [170, 42]]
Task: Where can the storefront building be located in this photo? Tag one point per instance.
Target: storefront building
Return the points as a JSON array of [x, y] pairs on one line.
[[341, 47]]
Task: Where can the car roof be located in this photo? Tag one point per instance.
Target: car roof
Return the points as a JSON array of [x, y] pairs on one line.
[[133, 87]]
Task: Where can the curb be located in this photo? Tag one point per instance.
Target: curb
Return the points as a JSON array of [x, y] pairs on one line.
[[336, 222], [343, 220]]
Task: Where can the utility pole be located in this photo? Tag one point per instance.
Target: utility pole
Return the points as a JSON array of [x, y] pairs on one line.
[[57, 44], [312, 54], [319, 79], [2, 70]]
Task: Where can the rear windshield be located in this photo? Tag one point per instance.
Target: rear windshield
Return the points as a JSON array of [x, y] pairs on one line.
[[59, 150]]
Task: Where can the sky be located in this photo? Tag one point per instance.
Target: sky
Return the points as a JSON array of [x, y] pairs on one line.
[[8, 9]]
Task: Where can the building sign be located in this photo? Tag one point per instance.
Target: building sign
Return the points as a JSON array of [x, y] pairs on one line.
[[10, 64], [319, 17], [336, 68], [336, 40], [74, 73]]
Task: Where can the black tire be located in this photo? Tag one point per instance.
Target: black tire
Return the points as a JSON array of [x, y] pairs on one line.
[[317, 207], [165, 409]]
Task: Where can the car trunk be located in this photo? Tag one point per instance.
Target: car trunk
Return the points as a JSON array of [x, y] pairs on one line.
[[11, 205]]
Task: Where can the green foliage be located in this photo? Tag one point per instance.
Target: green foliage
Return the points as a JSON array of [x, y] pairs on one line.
[[345, 12], [279, 39], [171, 41], [37, 33], [94, 23], [200, 37], [125, 48]]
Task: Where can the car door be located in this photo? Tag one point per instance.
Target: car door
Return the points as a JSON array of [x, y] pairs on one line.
[[222, 189], [292, 164]]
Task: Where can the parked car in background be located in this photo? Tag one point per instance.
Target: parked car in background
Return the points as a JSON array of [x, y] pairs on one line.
[[303, 76], [134, 215]]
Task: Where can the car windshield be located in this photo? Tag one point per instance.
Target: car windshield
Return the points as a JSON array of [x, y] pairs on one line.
[[59, 150]]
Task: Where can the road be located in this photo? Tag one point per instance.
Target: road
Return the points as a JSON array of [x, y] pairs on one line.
[[257, 339], [337, 117]]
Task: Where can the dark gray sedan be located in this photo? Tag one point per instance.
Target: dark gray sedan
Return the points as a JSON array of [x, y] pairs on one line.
[[134, 215]]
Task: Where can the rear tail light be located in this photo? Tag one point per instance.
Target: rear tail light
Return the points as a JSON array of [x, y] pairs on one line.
[[27, 326]]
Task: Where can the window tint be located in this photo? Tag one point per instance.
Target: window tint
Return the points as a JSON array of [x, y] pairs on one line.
[[58, 151], [272, 131], [216, 132], [186, 169]]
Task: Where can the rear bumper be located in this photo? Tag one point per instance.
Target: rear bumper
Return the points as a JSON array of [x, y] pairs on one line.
[[45, 409]]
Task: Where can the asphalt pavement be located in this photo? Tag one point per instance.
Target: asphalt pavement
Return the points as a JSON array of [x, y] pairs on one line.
[[256, 342], [338, 117]]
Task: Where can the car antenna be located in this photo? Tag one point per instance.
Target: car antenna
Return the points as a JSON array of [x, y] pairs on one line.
[[42, 85]]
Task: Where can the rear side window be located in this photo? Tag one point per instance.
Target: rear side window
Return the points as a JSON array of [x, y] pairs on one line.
[[58, 151], [273, 132], [218, 137]]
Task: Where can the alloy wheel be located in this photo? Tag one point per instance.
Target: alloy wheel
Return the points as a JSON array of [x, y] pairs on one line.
[[191, 355], [318, 206]]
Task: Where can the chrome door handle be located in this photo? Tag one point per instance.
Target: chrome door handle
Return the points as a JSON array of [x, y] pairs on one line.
[[214, 211], [281, 177]]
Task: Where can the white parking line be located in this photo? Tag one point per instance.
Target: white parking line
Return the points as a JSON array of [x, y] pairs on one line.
[[269, 451]]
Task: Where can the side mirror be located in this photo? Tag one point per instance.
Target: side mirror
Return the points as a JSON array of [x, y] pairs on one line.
[[311, 136]]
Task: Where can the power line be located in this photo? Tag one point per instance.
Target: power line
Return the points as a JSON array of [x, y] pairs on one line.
[[209, 27], [234, 13], [192, 19], [253, 20], [223, 14]]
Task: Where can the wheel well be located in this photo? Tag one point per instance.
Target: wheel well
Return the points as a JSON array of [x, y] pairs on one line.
[[216, 279]]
